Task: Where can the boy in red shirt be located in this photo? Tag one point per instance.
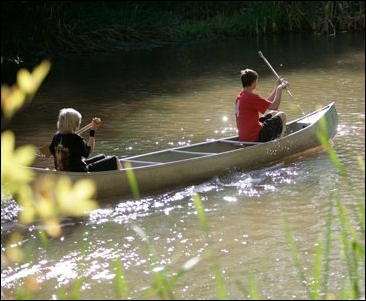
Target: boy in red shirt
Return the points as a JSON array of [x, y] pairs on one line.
[[249, 106]]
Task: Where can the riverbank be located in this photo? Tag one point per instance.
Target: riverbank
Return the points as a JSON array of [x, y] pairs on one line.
[[31, 31]]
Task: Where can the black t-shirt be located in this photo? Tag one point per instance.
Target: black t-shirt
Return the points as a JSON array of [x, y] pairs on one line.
[[68, 151]]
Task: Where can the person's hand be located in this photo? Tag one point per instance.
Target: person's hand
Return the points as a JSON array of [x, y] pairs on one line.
[[96, 123], [282, 83]]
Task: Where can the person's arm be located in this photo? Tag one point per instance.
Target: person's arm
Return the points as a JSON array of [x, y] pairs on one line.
[[91, 142], [276, 95], [51, 148], [272, 95]]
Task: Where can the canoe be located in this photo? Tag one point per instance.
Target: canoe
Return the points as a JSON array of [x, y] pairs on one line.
[[194, 163]]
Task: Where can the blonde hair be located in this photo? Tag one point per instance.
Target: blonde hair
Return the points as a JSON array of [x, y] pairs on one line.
[[69, 121]]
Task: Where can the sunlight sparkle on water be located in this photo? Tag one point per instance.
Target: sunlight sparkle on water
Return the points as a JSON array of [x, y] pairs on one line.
[[230, 199]]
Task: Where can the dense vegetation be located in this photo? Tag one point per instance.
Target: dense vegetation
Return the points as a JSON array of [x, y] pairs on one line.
[[41, 29]]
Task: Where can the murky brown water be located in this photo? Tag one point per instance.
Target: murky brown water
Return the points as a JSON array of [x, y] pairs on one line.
[[154, 99]]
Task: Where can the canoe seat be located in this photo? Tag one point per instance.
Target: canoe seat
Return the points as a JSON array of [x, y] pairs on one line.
[[303, 124], [137, 163], [240, 143], [192, 153]]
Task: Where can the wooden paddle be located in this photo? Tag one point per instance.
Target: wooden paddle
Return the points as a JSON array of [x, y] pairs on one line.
[[278, 77], [45, 149]]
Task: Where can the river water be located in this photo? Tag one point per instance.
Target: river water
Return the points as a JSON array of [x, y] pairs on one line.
[[163, 97]]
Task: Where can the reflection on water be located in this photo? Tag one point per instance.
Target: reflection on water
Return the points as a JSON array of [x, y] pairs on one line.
[[149, 100]]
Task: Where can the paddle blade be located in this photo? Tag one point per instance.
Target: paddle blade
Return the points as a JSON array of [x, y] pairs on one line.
[[45, 150]]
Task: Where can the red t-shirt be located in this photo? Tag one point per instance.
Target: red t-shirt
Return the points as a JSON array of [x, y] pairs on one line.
[[247, 109]]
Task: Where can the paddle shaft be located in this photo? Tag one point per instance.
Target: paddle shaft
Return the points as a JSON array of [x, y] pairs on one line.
[[278, 77], [45, 149]]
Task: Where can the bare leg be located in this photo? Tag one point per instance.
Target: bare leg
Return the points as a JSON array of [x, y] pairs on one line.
[[119, 165], [283, 130], [284, 120]]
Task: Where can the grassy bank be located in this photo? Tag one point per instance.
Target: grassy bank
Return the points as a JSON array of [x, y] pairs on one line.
[[43, 29]]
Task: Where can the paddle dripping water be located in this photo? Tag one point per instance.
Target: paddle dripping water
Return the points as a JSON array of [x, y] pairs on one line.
[[278, 77]]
